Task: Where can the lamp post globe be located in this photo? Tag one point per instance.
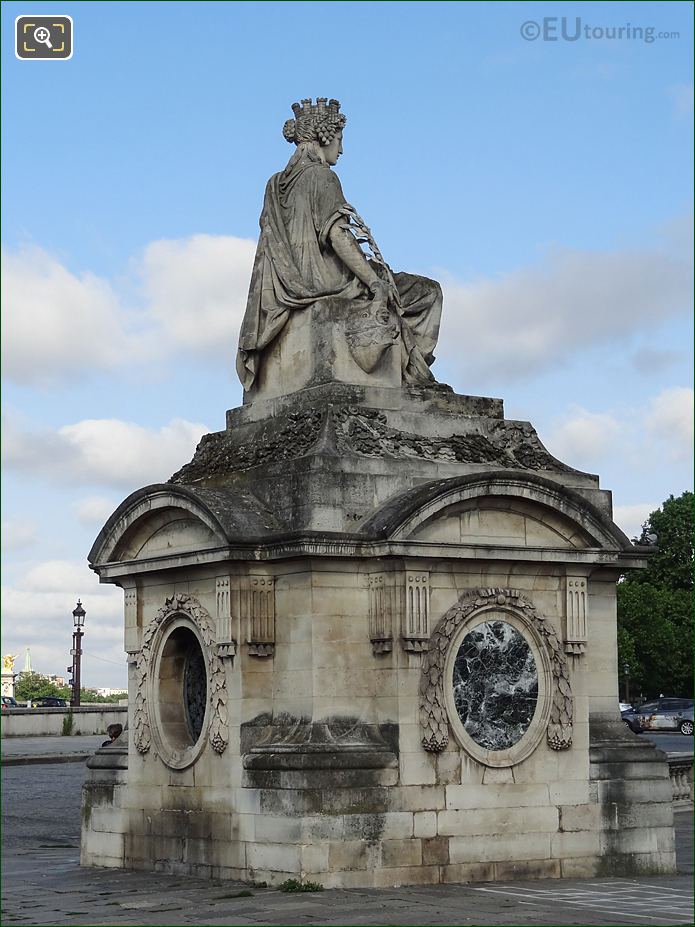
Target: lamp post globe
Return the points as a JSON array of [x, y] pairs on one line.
[[78, 615]]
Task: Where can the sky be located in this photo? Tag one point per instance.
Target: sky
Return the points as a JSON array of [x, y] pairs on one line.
[[546, 181]]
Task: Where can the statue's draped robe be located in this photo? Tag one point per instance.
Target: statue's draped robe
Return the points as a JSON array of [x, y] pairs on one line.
[[295, 266]]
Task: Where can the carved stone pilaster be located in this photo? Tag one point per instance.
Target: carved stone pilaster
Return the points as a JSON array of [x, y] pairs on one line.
[[381, 601], [130, 616], [576, 614], [130, 605], [415, 614], [226, 642], [258, 612]]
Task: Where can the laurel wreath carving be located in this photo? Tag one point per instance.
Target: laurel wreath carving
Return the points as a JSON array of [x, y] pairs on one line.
[[218, 733], [433, 715]]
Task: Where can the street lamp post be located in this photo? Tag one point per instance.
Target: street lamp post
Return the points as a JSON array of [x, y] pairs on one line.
[[76, 652], [626, 673]]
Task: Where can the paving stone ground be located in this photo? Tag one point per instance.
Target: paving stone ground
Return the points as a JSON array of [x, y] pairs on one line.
[[42, 883], [30, 746], [25, 750]]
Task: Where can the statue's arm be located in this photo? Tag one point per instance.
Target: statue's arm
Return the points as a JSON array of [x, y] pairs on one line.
[[345, 246]]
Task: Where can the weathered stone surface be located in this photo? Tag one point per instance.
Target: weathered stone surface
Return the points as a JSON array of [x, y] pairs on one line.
[[314, 347], [440, 429], [435, 851], [309, 253], [308, 580], [634, 800], [321, 782]]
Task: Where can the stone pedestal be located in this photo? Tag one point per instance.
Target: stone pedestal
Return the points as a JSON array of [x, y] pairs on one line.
[[331, 341], [631, 785], [8, 684], [372, 641]]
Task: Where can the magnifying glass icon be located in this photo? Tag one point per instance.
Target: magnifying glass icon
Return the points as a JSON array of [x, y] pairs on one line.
[[43, 36]]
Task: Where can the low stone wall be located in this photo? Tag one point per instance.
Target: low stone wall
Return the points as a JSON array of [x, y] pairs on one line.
[[680, 770], [36, 722]]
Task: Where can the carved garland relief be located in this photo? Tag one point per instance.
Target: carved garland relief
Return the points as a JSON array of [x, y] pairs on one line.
[[504, 607], [366, 432], [187, 607]]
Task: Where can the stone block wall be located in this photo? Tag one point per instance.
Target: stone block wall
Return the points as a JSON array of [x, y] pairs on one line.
[[292, 795], [39, 722]]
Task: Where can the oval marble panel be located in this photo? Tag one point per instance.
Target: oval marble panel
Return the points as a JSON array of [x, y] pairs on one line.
[[495, 685], [195, 690]]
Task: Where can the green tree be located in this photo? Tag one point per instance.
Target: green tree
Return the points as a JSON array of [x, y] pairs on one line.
[[92, 696], [34, 685], [655, 634], [672, 564]]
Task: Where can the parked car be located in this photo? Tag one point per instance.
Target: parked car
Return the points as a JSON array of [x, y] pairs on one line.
[[630, 717], [686, 725], [661, 714], [9, 702], [49, 701]]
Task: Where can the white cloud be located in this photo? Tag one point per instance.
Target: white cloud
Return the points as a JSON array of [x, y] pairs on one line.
[[106, 452], [669, 418], [533, 319], [94, 510], [41, 604], [17, 533], [56, 323], [627, 442], [584, 438], [189, 295], [196, 289], [631, 517], [55, 576]]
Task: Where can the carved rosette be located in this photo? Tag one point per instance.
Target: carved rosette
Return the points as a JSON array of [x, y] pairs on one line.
[[433, 715], [186, 605]]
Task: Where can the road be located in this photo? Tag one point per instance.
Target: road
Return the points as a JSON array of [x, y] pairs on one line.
[[671, 743], [43, 884], [41, 806], [55, 745]]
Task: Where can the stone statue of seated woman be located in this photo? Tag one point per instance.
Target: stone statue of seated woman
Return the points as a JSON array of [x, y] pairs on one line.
[[310, 252]]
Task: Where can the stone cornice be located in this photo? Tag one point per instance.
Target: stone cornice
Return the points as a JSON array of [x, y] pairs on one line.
[[308, 546]]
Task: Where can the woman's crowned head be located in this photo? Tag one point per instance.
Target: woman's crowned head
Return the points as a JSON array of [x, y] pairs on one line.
[[314, 122]]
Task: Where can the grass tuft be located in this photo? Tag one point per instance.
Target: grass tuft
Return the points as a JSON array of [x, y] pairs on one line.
[[294, 885]]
